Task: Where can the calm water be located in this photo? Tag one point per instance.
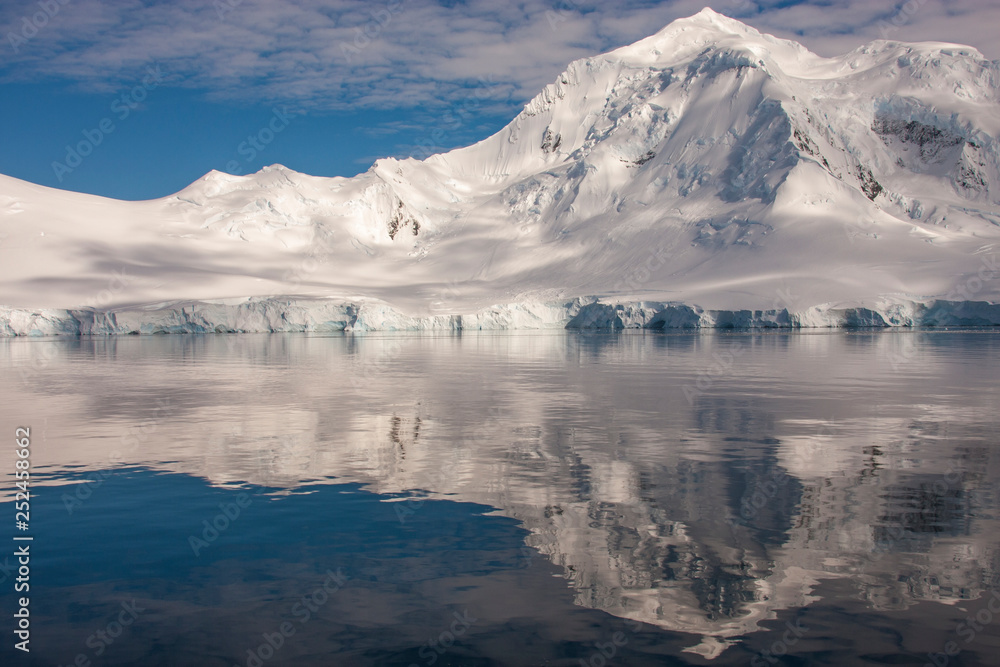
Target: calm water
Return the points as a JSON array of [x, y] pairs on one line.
[[507, 499]]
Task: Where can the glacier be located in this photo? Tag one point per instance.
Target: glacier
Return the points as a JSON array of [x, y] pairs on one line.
[[707, 176], [283, 315]]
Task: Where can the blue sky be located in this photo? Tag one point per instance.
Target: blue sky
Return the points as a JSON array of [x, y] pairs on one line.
[[158, 93]]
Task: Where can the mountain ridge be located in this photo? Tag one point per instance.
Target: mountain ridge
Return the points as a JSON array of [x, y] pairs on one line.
[[751, 167]]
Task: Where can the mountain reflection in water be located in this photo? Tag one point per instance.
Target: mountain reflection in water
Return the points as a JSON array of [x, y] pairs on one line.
[[702, 484]]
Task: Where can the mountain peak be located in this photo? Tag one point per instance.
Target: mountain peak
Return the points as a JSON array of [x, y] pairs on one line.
[[710, 17], [710, 21], [686, 38]]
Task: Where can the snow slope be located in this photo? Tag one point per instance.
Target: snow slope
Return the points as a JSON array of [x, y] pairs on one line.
[[708, 175]]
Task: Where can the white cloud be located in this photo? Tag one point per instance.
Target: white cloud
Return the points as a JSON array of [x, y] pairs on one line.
[[392, 53]]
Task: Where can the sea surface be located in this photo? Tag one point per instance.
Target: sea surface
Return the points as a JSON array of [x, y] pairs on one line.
[[511, 498]]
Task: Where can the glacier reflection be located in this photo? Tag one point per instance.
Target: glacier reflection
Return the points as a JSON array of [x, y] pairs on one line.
[[697, 483]]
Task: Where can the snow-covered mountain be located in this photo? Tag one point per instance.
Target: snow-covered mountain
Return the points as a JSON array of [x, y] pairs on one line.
[[706, 175]]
